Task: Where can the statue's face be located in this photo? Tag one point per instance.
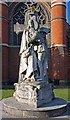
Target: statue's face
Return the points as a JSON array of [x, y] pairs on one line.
[[32, 22]]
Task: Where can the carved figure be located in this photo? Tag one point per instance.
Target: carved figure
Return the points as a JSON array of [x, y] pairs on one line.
[[33, 52]]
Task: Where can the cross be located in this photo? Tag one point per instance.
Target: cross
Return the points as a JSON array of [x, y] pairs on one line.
[[18, 28]]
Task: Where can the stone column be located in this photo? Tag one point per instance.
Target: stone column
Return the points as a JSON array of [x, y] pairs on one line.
[[4, 39], [58, 41]]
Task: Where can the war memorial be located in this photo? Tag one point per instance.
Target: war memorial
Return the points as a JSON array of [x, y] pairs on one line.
[[34, 96]]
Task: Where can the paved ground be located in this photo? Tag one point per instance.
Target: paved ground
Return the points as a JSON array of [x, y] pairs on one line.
[[6, 115]]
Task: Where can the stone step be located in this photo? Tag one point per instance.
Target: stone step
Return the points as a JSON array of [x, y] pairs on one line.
[[53, 109], [3, 114]]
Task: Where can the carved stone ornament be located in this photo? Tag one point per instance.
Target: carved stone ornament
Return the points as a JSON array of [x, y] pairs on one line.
[[33, 87]]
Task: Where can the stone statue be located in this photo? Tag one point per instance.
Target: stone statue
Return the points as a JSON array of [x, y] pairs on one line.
[[28, 59], [33, 87], [33, 52]]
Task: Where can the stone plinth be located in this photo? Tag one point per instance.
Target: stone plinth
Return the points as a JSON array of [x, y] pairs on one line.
[[55, 108], [34, 93]]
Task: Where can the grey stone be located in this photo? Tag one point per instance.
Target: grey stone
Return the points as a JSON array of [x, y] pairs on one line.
[[33, 87], [33, 50], [34, 93], [52, 109]]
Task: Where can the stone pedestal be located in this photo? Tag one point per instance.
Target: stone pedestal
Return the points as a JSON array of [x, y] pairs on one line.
[[14, 108], [34, 93], [34, 99]]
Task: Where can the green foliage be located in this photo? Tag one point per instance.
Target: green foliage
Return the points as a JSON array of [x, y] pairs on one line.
[[59, 92]]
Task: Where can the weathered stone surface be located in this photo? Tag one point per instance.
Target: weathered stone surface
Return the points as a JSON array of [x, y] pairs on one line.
[[34, 93], [55, 108], [33, 86]]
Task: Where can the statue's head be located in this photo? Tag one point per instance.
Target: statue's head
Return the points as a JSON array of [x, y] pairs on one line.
[[31, 19]]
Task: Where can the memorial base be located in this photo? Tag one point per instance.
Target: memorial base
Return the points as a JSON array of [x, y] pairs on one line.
[[34, 93], [34, 99], [55, 108]]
